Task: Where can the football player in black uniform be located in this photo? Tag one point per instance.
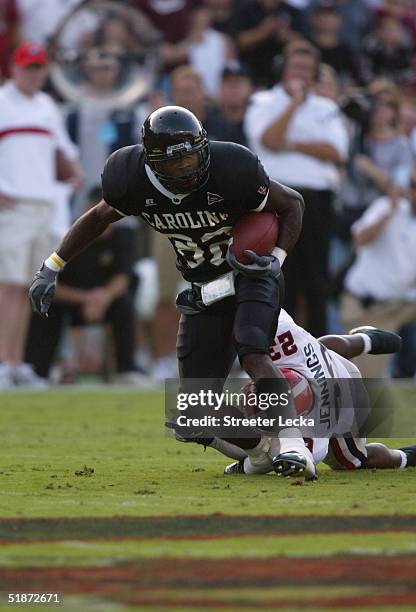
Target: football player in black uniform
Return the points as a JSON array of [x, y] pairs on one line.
[[194, 191]]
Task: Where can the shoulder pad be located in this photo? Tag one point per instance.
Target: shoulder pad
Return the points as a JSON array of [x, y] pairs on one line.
[[117, 171]]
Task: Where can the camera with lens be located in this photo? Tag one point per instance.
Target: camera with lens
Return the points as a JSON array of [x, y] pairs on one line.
[[358, 107]]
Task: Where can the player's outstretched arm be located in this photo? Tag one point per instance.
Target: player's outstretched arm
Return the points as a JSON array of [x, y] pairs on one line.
[[289, 205], [84, 231]]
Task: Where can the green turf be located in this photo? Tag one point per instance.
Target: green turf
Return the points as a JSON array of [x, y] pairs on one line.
[[81, 553], [202, 526], [83, 455], [139, 471], [75, 604]]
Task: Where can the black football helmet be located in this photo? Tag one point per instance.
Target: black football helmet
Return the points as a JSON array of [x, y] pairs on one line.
[[172, 132]]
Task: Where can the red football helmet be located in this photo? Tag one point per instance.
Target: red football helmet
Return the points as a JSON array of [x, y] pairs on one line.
[[302, 392]]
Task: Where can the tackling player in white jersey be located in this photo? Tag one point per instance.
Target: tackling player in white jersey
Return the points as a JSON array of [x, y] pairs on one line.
[[320, 375], [311, 365]]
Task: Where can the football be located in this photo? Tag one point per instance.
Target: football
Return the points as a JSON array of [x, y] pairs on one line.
[[254, 232], [301, 389]]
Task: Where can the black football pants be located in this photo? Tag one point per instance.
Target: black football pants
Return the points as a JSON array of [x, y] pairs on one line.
[[246, 323], [208, 343]]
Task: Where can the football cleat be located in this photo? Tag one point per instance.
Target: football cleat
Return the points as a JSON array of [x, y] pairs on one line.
[[382, 342], [235, 468], [183, 434], [293, 463]]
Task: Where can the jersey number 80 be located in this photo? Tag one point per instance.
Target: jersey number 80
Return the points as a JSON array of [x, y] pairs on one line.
[[195, 255]]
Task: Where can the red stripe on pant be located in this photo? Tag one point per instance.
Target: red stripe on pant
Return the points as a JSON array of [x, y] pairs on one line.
[[336, 449], [309, 444]]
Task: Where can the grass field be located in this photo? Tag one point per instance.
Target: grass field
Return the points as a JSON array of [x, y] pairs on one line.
[[97, 503]]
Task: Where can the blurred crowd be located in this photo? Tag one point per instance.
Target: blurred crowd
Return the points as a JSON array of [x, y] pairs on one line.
[[323, 91]]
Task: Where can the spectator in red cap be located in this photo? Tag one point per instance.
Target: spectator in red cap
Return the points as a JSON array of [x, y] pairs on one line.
[[31, 134], [30, 54]]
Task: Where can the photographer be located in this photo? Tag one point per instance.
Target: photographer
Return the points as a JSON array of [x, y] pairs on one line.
[[380, 160]]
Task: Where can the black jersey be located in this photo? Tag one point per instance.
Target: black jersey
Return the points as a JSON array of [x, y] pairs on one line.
[[198, 224]]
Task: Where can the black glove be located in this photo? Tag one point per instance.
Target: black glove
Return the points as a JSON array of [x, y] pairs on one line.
[[260, 265], [189, 303], [42, 290]]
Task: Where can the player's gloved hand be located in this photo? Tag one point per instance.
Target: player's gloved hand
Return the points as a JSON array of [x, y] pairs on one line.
[[42, 290], [189, 303], [260, 265]]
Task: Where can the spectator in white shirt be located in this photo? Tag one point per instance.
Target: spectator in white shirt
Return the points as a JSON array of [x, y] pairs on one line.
[[31, 135], [381, 284], [302, 141]]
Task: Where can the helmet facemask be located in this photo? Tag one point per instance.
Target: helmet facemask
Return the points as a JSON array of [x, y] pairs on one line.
[[163, 163]]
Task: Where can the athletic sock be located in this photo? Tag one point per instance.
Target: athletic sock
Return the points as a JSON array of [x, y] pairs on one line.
[[410, 453], [403, 458], [258, 461], [368, 345], [290, 439]]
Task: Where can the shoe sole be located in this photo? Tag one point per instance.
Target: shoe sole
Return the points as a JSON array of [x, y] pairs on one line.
[[290, 467]]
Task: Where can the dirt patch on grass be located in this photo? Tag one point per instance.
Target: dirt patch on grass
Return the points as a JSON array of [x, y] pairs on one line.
[[189, 527]]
